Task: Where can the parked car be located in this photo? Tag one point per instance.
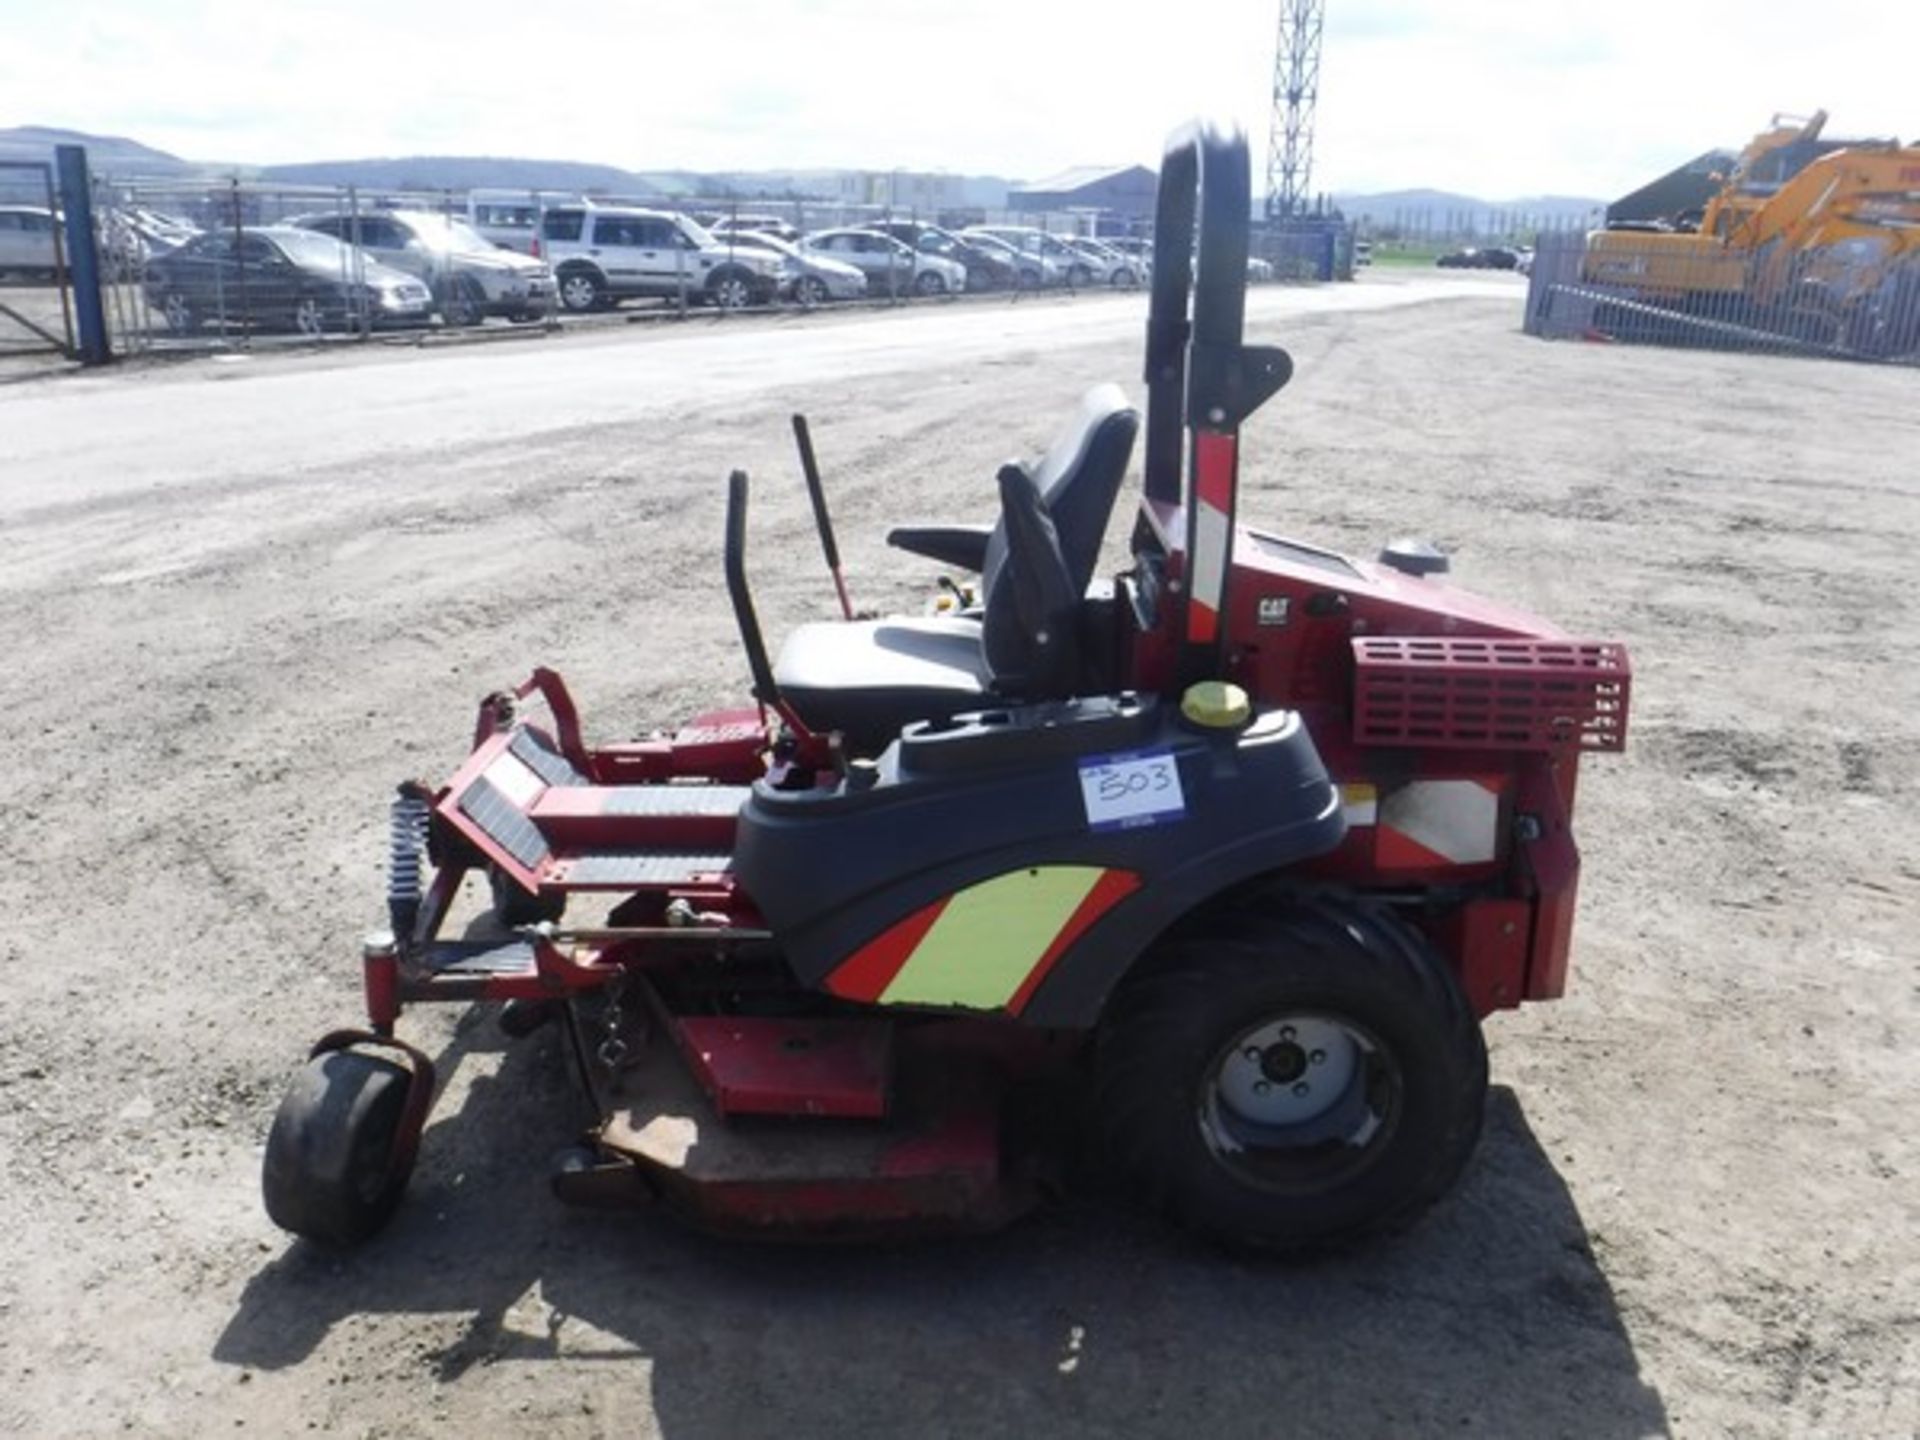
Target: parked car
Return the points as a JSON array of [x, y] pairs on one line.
[[131, 235], [1030, 271], [1110, 267], [26, 241], [815, 277], [1362, 253], [985, 270], [1138, 251], [509, 219], [1259, 270], [470, 277], [1069, 266], [1494, 257], [280, 276], [603, 255], [756, 225], [891, 266]]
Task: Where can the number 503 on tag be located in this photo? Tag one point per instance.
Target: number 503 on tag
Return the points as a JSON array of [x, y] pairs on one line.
[[1122, 791]]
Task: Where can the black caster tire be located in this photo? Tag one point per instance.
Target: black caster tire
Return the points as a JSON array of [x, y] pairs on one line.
[[514, 906], [1294, 1080], [330, 1173]]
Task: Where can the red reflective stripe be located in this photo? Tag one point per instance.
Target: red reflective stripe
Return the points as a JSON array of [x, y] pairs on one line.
[[866, 973], [1395, 850], [1109, 890], [1202, 621], [1213, 469]]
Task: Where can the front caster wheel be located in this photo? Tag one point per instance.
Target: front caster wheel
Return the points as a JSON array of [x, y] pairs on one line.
[[1293, 1079], [331, 1173]]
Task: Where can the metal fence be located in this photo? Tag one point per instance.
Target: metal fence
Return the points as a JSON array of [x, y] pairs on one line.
[[191, 265], [36, 314], [1858, 299], [1302, 254]]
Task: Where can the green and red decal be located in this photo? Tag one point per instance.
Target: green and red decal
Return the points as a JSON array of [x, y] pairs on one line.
[[986, 947]]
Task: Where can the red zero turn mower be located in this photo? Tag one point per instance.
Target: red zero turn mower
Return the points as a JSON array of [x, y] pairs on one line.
[[1218, 862]]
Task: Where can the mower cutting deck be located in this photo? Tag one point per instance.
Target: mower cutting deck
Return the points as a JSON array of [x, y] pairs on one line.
[[1218, 863]]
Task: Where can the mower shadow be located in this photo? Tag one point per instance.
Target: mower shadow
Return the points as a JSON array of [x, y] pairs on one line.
[[1491, 1317]]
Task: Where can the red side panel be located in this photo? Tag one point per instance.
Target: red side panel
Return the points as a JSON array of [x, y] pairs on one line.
[[1488, 942], [1552, 862]]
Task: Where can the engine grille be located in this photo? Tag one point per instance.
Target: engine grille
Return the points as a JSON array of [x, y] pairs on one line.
[[1490, 694]]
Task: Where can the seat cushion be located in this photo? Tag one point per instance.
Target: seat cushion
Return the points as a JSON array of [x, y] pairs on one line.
[[868, 678]]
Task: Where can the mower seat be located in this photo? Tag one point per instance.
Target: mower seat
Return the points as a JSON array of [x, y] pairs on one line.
[[867, 679]]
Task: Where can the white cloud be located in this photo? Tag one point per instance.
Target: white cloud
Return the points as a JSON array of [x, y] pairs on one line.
[[1501, 97]]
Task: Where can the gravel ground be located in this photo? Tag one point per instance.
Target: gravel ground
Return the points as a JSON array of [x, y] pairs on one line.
[[242, 600]]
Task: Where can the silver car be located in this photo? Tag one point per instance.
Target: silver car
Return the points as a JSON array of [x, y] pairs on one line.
[[1063, 264], [1030, 272], [26, 240], [1110, 267], [470, 278], [816, 278], [891, 267]]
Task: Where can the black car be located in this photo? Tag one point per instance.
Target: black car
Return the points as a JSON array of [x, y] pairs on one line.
[[984, 271], [280, 277], [1494, 257]]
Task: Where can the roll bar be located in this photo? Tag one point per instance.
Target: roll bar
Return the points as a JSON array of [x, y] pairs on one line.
[[1202, 381]]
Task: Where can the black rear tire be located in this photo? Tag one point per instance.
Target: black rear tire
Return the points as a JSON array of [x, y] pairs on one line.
[[1214, 1017], [330, 1173]]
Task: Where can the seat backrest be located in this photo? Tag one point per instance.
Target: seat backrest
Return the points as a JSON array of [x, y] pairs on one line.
[[1030, 633], [1078, 480]]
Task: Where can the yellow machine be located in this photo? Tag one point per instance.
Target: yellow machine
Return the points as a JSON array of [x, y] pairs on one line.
[[1815, 238]]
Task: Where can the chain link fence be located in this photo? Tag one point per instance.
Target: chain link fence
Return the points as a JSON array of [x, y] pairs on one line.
[[1858, 298]]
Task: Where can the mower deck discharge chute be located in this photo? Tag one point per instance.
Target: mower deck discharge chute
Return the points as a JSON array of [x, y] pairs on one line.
[[1218, 863]]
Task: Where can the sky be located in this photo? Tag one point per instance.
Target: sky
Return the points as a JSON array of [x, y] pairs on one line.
[[1496, 98]]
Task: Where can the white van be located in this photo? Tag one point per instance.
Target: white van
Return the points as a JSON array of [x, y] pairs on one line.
[[510, 218]]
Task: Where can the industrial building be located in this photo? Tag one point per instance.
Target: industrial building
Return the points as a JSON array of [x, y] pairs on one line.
[[1124, 193], [1681, 191]]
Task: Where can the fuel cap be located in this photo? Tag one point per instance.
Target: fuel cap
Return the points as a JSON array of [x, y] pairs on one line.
[[1216, 704]]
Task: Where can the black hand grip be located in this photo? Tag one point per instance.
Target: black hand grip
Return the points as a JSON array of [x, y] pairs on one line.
[[764, 689]]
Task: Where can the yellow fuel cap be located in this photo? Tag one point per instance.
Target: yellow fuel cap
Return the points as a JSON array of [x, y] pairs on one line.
[[1216, 704]]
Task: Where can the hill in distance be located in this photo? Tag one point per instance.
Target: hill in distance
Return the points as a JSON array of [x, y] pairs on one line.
[[118, 156], [105, 153], [463, 172], [459, 173]]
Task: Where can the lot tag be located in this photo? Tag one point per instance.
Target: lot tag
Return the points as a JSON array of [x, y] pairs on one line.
[[1123, 791]]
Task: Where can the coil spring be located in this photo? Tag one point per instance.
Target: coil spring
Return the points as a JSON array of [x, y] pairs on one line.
[[406, 838]]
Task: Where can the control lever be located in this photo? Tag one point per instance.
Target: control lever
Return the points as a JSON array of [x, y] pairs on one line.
[[823, 522]]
